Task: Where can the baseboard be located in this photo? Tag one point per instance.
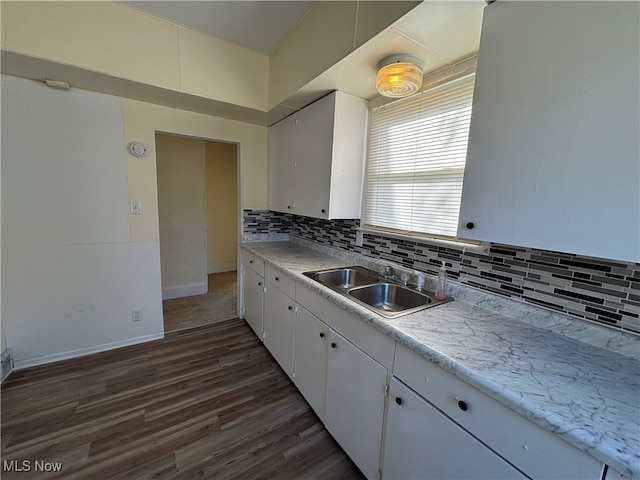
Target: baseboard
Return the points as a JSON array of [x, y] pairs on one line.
[[184, 290], [7, 364], [81, 352], [221, 267]]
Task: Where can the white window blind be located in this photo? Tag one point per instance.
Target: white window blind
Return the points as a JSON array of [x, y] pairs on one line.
[[416, 156]]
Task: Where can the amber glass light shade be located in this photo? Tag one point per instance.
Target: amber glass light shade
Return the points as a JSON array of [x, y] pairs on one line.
[[399, 78]]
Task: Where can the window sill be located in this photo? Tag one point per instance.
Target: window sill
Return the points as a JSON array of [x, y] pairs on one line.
[[465, 246]]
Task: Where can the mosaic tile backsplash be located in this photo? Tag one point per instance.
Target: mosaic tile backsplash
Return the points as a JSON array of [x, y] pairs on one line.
[[605, 291], [265, 222]]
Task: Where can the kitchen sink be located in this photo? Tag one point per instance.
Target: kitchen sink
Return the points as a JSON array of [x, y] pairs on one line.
[[390, 298], [381, 295], [344, 278]]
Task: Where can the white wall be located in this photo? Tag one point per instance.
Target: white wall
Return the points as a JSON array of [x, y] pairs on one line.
[[222, 205], [69, 285], [143, 120], [127, 44], [3, 343], [70, 275], [182, 216], [66, 148], [197, 212]]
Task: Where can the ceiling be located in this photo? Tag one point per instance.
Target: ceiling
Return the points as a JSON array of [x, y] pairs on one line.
[[258, 25], [442, 32]]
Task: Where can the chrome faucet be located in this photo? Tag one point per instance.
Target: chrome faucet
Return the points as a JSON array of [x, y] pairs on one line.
[[419, 280], [389, 273]]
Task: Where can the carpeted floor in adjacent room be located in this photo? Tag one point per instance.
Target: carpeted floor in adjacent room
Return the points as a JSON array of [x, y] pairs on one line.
[[220, 303]]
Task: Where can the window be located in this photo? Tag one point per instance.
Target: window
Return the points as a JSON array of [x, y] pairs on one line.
[[416, 156]]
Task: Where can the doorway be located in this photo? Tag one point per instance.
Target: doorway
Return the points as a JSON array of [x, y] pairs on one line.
[[198, 222]]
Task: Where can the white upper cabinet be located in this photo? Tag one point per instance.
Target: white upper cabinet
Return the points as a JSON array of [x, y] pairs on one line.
[[282, 146], [554, 151], [316, 159]]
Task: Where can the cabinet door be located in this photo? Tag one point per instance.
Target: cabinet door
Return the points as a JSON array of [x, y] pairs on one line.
[[313, 169], [355, 403], [283, 151], [279, 327], [423, 443], [311, 344], [536, 451], [252, 294], [553, 149]]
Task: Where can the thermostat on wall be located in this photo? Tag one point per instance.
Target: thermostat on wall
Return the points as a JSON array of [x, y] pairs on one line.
[[137, 149]]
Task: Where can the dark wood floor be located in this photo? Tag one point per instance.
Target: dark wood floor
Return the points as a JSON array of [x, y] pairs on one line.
[[208, 402]]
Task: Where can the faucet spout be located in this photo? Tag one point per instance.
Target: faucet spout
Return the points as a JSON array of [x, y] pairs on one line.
[[389, 273], [419, 280]]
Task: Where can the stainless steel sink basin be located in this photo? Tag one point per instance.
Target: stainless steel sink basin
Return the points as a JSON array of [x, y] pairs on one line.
[[380, 295], [344, 278], [390, 298]]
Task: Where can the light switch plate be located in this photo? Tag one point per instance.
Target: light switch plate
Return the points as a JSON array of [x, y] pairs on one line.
[[135, 208]]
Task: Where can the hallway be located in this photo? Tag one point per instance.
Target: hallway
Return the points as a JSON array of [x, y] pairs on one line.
[[220, 303]]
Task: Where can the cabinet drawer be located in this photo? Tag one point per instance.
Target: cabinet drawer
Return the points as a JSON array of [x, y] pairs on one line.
[[281, 280], [536, 451], [379, 346], [253, 262], [421, 439]]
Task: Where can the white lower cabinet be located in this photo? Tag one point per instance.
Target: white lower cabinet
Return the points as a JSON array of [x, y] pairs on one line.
[[612, 474], [344, 386], [279, 327], [537, 452], [310, 359], [436, 425], [355, 403], [252, 294], [422, 443]]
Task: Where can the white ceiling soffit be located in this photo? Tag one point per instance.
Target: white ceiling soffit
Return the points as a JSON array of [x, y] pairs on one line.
[[258, 25], [443, 33]]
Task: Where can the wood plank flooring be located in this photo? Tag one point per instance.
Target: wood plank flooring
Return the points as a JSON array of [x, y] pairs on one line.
[[208, 402]]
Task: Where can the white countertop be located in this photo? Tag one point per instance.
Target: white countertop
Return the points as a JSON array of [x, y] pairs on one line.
[[587, 395]]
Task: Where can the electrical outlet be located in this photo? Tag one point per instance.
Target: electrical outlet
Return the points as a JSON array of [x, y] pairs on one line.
[[136, 315]]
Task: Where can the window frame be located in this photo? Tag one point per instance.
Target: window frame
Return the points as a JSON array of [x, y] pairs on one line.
[[450, 74]]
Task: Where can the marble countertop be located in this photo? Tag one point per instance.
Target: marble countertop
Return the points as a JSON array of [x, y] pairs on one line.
[[587, 395]]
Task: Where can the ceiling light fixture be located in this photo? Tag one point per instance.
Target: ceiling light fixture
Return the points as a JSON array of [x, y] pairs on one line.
[[399, 75]]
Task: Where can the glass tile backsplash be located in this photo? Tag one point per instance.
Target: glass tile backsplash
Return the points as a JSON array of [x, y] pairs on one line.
[[256, 222], [604, 291]]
